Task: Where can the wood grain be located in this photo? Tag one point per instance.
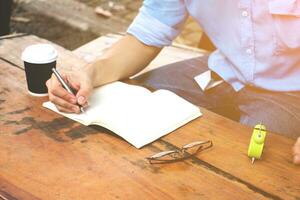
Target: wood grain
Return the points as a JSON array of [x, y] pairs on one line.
[[11, 51], [46, 156]]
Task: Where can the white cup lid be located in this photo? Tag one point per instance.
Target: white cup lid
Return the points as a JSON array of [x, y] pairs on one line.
[[39, 54]]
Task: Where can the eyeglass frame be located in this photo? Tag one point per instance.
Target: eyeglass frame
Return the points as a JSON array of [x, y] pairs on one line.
[[182, 151]]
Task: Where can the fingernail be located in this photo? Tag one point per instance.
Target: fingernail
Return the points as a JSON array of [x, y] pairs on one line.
[[81, 100], [85, 105]]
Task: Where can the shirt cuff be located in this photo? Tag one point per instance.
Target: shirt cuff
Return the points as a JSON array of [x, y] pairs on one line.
[[151, 31]]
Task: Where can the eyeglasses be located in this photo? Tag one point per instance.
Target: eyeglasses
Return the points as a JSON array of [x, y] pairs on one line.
[[185, 152]]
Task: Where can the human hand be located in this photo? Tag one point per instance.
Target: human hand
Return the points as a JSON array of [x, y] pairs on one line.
[[296, 151], [80, 80]]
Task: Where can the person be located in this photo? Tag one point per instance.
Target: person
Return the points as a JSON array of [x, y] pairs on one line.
[[258, 57], [5, 12]]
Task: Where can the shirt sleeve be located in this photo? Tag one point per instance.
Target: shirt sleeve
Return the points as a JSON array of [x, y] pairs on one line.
[[159, 22]]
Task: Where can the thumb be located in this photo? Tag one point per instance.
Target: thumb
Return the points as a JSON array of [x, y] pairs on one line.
[[83, 94]]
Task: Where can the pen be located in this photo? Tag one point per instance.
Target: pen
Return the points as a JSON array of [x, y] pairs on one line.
[[65, 85]]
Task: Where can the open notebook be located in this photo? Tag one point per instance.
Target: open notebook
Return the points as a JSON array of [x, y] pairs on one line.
[[135, 113]]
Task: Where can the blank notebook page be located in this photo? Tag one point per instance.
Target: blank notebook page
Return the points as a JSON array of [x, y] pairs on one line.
[[134, 113]]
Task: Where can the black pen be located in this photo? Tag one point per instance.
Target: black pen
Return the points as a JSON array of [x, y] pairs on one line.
[[65, 85]]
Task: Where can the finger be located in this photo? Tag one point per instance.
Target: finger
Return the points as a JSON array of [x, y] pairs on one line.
[[48, 84], [73, 84], [83, 94], [63, 94], [62, 109], [85, 105], [63, 104], [72, 79], [57, 90]]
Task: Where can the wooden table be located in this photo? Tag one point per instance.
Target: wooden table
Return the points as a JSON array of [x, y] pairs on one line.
[[46, 156]]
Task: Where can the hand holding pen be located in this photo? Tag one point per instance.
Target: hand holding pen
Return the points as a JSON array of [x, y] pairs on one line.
[[62, 93], [65, 85]]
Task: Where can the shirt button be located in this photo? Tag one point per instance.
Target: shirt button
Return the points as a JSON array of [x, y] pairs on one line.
[[245, 13], [249, 51]]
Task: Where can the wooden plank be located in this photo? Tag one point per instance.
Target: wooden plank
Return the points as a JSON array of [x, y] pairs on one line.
[[11, 192], [171, 54], [234, 138], [11, 51], [51, 157], [38, 140]]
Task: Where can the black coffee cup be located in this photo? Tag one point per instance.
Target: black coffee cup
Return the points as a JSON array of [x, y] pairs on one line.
[[39, 59]]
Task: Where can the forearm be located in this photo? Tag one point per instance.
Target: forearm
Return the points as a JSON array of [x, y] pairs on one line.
[[124, 59]]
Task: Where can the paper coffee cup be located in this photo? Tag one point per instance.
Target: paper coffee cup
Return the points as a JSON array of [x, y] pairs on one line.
[[39, 59]]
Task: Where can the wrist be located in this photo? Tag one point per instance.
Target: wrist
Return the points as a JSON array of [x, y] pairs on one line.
[[90, 70], [96, 73]]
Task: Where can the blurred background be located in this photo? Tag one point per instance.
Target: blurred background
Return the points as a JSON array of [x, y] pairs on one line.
[[72, 23]]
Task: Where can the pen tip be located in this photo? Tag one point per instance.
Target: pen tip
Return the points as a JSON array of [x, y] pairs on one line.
[[253, 159], [81, 109]]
